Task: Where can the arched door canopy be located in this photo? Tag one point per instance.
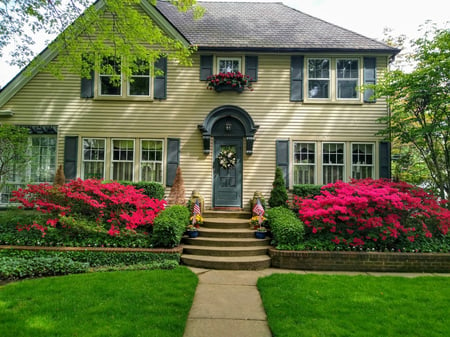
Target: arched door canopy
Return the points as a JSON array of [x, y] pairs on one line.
[[229, 111]]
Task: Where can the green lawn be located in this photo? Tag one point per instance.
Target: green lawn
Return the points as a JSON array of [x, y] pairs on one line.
[[132, 303], [330, 305]]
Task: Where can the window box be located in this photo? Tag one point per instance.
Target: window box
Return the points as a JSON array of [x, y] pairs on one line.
[[229, 87], [231, 81]]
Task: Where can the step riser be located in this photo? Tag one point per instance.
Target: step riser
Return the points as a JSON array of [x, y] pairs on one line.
[[227, 235], [225, 243], [214, 252], [227, 214], [221, 225], [226, 265]]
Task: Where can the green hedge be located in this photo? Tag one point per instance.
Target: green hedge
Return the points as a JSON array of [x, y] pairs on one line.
[[169, 226], [307, 190], [287, 229], [152, 189]]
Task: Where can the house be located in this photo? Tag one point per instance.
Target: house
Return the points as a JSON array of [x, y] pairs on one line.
[[304, 114]]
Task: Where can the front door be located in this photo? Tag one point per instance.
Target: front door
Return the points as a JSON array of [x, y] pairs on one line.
[[227, 181]]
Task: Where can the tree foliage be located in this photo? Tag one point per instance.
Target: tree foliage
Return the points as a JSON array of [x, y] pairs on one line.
[[419, 103], [13, 150], [105, 28]]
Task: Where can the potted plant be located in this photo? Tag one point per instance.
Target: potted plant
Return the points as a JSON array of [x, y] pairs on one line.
[[257, 222], [229, 81], [261, 232], [192, 231]]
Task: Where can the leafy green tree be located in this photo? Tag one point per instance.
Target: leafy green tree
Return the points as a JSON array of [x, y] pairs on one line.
[[104, 28], [419, 103], [13, 149]]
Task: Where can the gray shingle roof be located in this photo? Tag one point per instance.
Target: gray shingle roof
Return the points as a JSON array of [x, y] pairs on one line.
[[256, 25]]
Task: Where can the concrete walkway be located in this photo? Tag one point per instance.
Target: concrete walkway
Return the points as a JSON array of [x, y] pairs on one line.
[[227, 302]]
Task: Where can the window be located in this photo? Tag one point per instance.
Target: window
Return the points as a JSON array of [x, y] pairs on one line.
[[333, 162], [318, 78], [304, 163], [151, 160], [110, 77], [362, 161], [40, 169], [93, 158], [347, 78], [122, 159], [228, 65], [139, 83]]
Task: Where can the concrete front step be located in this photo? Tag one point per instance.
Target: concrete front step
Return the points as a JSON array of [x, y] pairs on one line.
[[225, 242], [226, 233], [226, 214], [225, 251], [226, 223], [227, 262]]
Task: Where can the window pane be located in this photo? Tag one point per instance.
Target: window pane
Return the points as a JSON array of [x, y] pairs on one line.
[[333, 162], [347, 78], [123, 159], [362, 161], [110, 76], [151, 160], [93, 158], [318, 89], [304, 163], [318, 78], [229, 65], [140, 86]]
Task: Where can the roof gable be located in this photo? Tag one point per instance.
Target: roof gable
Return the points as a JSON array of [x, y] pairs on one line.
[[265, 25]]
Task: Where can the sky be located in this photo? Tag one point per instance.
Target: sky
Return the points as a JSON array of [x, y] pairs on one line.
[[368, 18]]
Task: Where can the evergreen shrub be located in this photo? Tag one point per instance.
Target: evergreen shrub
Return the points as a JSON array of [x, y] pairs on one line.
[[169, 226]]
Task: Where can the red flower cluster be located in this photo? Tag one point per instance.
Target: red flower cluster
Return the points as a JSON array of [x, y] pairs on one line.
[[233, 79], [112, 204], [373, 211]]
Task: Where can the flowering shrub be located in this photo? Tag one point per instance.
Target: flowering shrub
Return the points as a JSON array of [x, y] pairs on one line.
[[233, 79], [112, 206], [373, 214]]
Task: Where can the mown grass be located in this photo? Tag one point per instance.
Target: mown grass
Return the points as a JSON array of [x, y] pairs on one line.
[[330, 305], [132, 303]]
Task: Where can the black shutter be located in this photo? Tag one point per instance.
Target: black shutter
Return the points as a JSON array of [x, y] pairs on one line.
[[385, 160], [297, 78], [173, 159], [251, 67], [160, 81], [282, 154], [87, 84], [70, 156], [370, 77], [206, 66]]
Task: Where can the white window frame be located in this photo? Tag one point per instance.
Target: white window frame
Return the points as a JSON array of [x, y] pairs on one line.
[[113, 161], [101, 75], [329, 79], [307, 164], [161, 162], [328, 164], [83, 160], [346, 79], [361, 165], [238, 59], [148, 75]]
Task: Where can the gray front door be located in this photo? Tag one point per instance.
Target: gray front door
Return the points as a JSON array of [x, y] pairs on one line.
[[227, 181]]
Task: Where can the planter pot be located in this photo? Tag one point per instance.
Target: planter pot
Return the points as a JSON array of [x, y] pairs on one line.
[[228, 88], [260, 235], [192, 234]]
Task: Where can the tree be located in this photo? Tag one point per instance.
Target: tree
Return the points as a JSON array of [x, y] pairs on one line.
[[83, 29], [278, 194], [13, 150], [419, 103]]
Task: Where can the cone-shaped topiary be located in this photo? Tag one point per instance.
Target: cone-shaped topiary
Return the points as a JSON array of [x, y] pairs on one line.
[[177, 194], [278, 195], [60, 179]]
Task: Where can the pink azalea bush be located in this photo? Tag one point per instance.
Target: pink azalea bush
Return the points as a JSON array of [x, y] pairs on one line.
[[113, 206], [374, 214]]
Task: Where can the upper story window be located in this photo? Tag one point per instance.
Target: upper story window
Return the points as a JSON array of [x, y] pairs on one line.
[[318, 78], [347, 78], [110, 77], [139, 82], [228, 65]]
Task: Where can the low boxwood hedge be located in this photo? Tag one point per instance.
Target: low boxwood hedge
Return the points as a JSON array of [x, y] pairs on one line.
[[169, 226], [287, 229]]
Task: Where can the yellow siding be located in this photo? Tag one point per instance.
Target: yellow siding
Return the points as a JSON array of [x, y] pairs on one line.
[[46, 100]]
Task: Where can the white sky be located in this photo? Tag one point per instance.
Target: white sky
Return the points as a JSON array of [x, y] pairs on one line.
[[368, 18]]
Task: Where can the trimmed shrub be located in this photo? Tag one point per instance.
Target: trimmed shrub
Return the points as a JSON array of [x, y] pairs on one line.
[[278, 194], [169, 226], [150, 188], [286, 228], [307, 190]]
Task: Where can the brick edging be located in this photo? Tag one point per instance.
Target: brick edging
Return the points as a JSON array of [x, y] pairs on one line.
[[361, 261], [176, 250]]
